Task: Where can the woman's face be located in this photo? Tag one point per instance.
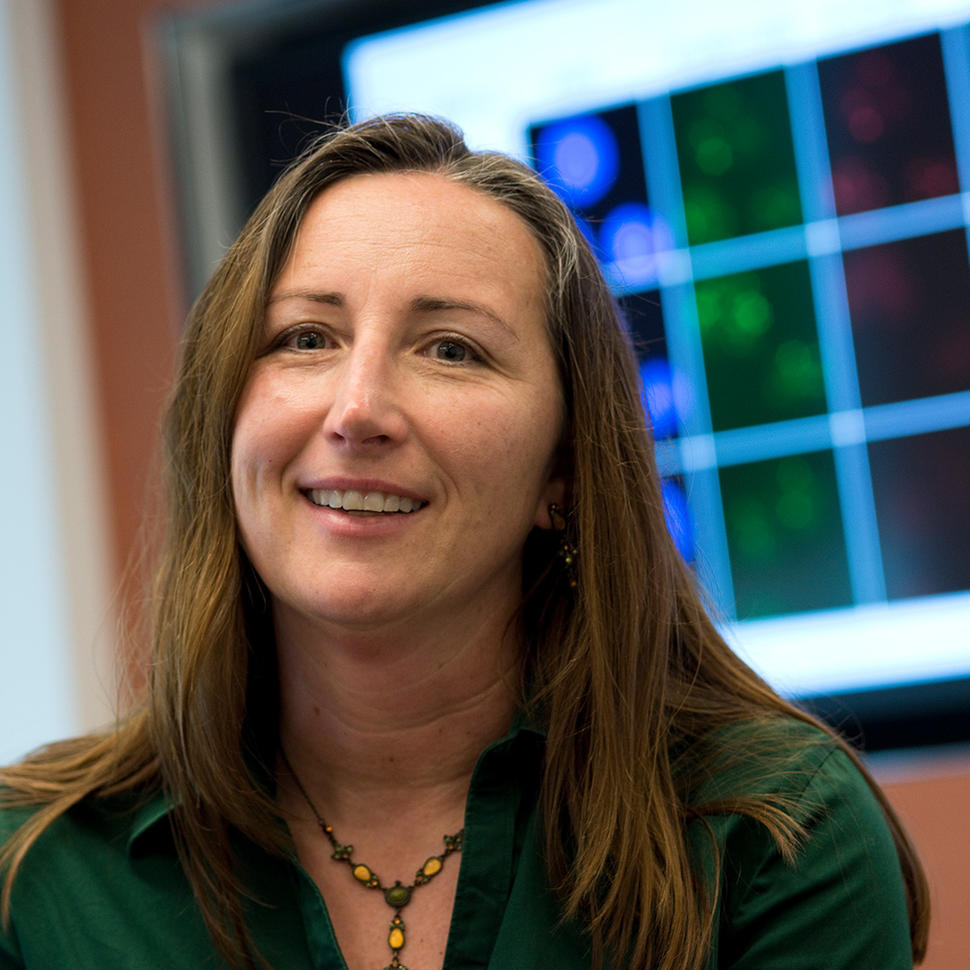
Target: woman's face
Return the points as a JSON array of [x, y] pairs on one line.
[[396, 440]]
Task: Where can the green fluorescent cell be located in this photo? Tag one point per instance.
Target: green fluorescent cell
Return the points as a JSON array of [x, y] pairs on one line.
[[712, 151], [714, 156], [785, 538], [709, 215], [737, 161], [761, 353], [751, 315]]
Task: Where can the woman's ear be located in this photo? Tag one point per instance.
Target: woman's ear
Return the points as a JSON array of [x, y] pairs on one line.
[[553, 494]]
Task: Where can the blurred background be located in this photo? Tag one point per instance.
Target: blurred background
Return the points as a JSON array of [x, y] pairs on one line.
[[779, 195]]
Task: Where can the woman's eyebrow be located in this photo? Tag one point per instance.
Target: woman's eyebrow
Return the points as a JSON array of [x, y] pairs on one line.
[[331, 299], [431, 304]]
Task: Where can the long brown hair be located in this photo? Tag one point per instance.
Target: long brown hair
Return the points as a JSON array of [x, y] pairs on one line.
[[628, 673]]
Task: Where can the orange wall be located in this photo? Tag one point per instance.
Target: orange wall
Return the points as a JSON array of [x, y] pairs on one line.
[[933, 800], [125, 249], [129, 263], [126, 234]]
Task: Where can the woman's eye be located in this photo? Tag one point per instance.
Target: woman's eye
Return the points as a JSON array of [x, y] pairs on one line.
[[306, 338], [309, 340], [452, 351]]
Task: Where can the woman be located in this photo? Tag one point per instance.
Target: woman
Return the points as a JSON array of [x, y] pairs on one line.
[[418, 596]]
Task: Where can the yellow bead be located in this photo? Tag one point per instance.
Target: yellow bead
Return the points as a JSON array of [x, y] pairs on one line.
[[395, 939], [362, 873], [432, 867]]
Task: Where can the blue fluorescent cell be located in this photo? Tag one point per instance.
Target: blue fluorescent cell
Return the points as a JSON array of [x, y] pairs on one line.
[[579, 158], [665, 393], [630, 238], [677, 517], [657, 393]]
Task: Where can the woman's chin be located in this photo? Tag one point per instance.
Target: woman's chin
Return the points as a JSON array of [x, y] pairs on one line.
[[354, 611]]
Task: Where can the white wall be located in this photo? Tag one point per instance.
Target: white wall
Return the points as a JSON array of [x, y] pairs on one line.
[[56, 675]]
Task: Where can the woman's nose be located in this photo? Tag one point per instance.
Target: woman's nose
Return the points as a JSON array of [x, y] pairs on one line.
[[366, 408]]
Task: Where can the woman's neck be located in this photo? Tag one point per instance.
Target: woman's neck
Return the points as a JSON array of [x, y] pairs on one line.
[[376, 724]]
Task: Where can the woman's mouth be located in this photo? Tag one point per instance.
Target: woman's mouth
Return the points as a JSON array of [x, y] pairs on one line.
[[362, 503]]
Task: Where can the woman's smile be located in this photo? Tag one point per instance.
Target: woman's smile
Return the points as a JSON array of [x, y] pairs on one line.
[[358, 502], [397, 438]]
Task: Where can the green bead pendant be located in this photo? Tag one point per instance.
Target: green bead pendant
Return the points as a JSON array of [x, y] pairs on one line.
[[397, 896]]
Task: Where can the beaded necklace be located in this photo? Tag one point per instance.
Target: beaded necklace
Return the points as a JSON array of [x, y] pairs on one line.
[[396, 896]]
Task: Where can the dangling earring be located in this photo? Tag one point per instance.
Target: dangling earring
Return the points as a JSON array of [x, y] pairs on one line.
[[567, 551]]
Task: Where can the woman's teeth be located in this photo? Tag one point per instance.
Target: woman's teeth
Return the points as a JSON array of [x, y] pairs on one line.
[[353, 501]]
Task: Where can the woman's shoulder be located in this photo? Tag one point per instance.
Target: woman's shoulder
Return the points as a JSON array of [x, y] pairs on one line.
[[775, 756], [830, 884], [90, 827], [96, 876], [771, 785], [51, 825], [95, 782], [799, 769]]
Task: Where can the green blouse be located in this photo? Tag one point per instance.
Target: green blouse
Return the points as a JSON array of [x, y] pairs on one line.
[[103, 889]]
